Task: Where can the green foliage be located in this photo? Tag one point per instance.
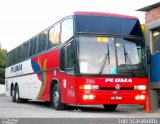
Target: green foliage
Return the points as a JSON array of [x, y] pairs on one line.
[[3, 55], [143, 30]]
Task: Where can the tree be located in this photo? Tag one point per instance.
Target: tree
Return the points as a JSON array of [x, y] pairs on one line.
[[143, 30], [3, 55]]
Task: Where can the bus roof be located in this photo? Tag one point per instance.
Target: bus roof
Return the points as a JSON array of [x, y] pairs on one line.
[[104, 14]]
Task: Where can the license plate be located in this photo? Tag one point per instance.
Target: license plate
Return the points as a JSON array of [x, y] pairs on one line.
[[116, 97]]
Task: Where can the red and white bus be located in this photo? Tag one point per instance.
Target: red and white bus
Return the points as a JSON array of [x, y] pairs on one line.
[[85, 58]]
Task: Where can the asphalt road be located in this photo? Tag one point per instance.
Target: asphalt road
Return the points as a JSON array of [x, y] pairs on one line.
[[33, 109]]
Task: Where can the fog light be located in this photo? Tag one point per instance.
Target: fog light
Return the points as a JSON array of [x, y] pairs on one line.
[[91, 97], [142, 97], [85, 97], [137, 97]]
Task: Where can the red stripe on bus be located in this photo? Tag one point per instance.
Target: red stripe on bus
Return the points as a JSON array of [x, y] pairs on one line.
[[104, 14]]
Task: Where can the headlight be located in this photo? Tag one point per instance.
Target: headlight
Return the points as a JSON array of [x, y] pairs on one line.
[[140, 87], [87, 87]]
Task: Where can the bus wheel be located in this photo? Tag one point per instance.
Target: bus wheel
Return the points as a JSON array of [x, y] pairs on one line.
[[18, 99], [13, 94], [56, 98], [109, 107]]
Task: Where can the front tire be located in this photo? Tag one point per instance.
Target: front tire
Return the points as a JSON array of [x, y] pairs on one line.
[[18, 99], [17, 96], [110, 107], [56, 98]]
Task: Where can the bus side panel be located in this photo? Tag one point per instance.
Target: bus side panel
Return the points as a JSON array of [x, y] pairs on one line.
[[44, 66], [50, 62], [8, 83], [67, 85], [21, 74]]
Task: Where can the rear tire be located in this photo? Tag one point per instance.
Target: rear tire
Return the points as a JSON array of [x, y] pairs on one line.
[[56, 98], [110, 107], [13, 94]]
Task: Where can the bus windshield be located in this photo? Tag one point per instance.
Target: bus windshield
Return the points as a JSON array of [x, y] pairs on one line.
[[110, 55]]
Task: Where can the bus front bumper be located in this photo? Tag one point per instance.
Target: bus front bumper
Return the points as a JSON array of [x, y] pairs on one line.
[[111, 97]]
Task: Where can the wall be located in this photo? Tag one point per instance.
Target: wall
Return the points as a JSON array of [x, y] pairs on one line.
[[2, 89], [152, 15], [152, 22]]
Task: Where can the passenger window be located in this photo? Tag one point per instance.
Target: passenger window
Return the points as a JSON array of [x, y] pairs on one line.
[[41, 43], [25, 50], [45, 39], [14, 56], [33, 46], [70, 58], [67, 30], [62, 59], [51, 39], [54, 35], [19, 53], [8, 60]]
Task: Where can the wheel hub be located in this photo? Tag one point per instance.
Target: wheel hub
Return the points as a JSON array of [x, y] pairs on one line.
[[16, 95], [56, 98]]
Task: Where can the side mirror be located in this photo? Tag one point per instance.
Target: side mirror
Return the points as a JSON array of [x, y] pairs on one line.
[[148, 54]]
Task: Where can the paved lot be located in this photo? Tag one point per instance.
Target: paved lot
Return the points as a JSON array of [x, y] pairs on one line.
[[42, 110]]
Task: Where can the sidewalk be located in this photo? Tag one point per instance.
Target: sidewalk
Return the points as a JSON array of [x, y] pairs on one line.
[[2, 89]]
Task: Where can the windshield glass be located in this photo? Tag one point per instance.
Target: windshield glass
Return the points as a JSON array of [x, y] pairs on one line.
[[129, 54], [92, 51], [109, 55]]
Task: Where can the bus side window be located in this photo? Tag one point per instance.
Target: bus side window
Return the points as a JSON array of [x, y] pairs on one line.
[[67, 30], [54, 34], [19, 53], [8, 60], [40, 42], [62, 59], [45, 40], [70, 58], [14, 56], [51, 39], [33, 46], [25, 50]]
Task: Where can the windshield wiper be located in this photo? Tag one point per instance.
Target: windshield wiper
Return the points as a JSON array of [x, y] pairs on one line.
[[128, 60], [107, 56]]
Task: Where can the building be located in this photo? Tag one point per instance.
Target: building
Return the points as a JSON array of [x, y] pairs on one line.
[[152, 20]]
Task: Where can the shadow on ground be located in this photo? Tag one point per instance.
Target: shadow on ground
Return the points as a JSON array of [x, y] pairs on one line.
[[90, 108]]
